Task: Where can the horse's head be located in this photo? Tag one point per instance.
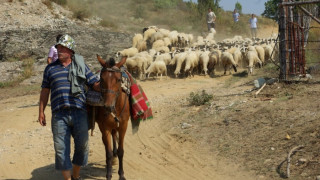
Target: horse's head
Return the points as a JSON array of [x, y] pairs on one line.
[[110, 82]]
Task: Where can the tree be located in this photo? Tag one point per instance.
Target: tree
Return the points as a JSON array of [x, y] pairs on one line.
[[203, 6], [271, 9], [238, 7]]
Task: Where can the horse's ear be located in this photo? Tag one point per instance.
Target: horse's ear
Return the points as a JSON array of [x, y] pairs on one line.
[[123, 60], [101, 61]]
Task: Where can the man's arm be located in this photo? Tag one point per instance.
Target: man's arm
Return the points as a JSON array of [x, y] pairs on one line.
[[44, 96], [49, 60], [96, 86]]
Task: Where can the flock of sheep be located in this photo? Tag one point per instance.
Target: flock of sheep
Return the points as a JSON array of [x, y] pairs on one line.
[[163, 52]]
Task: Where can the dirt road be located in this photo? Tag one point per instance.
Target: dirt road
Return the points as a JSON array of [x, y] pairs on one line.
[[158, 151]]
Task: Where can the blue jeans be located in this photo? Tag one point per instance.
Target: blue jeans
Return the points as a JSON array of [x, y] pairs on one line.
[[210, 25], [66, 123]]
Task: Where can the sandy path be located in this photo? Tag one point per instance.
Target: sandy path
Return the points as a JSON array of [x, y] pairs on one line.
[[157, 151]]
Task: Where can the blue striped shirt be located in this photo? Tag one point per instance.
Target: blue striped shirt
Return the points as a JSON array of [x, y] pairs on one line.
[[55, 78]]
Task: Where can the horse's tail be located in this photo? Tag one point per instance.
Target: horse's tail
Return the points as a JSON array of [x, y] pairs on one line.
[[135, 125]]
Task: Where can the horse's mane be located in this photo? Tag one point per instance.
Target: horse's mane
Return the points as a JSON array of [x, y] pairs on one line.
[[111, 62]]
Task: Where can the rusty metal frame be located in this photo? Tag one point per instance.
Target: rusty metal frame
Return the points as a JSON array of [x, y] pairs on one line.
[[292, 47]]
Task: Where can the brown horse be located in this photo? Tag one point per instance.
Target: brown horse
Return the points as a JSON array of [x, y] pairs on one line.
[[113, 117]]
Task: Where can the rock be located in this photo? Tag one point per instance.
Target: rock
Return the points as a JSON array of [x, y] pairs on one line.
[[302, 160], [271, 81], [185, 125], [318, 177], [259, 82]]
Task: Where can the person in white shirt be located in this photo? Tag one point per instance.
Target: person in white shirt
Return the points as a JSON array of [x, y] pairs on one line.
[[236, 16], [253, 25], [211, 18]]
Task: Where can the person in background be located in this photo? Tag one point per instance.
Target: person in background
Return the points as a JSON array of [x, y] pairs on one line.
[[53, 54], [65, 79], [253, 25], [211, 18], [236, 16]]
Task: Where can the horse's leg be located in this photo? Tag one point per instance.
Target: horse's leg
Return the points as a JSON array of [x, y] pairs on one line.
[[106, 138], [122, 132], [114, 142]]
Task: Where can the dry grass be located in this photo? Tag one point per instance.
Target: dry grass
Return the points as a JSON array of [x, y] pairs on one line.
[[27, 72]]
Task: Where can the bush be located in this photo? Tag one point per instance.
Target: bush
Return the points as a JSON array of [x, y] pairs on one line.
[[199, 99], [27, 66], [60, 2], [105, 23], [47, 3], [162, 4], [81, 14], [139, 12]]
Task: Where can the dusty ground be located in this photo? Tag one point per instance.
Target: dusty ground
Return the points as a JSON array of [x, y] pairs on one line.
[[235, 136], [160, 150]]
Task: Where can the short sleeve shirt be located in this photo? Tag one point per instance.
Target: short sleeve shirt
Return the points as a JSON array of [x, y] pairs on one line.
[[53, 53], [210, 17], [253, 22], [236, 17], [55, 78]]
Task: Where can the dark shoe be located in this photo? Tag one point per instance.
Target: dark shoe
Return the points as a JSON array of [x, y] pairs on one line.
[[79, 178]]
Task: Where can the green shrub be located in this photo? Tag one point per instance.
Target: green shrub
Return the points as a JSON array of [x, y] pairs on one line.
[[47, 3], [105, 23], [81, 14], [27, 67], [162, 4], [60, 2], [139, 12], [199, 99]]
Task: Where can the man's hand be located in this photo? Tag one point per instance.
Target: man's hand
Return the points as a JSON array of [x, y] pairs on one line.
[[42, 119], [96, 86]]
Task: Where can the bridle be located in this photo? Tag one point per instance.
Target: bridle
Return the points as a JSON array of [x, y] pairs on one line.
[[103, 90], [110, 91]]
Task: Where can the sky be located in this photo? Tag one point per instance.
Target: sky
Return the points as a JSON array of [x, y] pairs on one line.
[[248, 6]]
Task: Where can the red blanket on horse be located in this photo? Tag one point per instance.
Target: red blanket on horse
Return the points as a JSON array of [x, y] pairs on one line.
[[140, 106]]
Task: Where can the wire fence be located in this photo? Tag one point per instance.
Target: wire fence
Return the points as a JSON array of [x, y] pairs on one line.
[[299, 44]]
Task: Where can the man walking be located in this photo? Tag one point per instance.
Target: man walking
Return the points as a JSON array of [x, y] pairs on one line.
[[253, 25], [65, 79], [211, 18]]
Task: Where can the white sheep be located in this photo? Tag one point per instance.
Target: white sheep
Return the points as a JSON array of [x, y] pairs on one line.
[[166, 57], [156, 36], [261, 53], [141, 45], [157, 67], [190, 39], [227, 61], [127, 52], [146, 57], [166, 41], [157, 43], [179, 60], [252, 59], [236, 53], [182, 39], [162, 49], [165, 32], [192, 60], [173, 36], [214, 60], [135, 64], [268, 51], [203, 62], [148, 33], [136, 38]]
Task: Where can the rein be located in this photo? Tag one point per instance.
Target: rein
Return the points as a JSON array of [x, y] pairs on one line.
[[103, 90]]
